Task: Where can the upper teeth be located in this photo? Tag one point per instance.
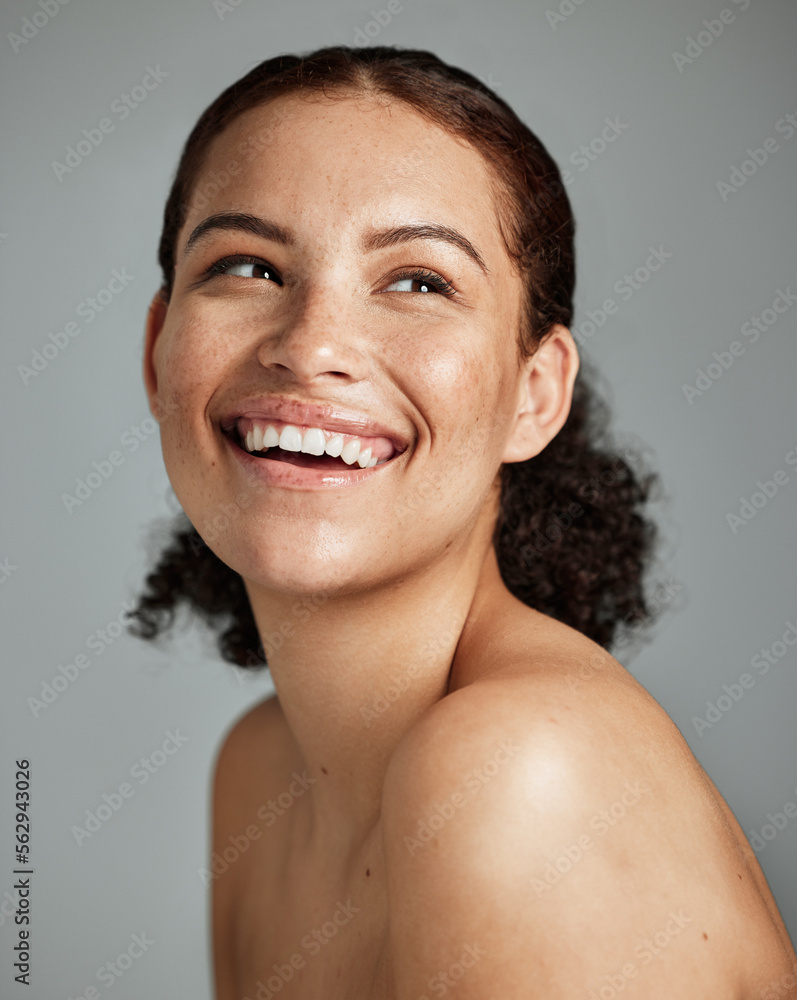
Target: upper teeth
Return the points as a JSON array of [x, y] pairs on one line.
[[314, 441]]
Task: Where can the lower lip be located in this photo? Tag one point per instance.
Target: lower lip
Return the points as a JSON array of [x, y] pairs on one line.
[[281, 473]]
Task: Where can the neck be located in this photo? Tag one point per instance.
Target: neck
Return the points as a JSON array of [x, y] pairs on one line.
[[354, 674]]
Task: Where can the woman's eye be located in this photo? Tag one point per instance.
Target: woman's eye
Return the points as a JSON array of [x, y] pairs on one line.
[[416, 279], [242, 267], [427, 281]]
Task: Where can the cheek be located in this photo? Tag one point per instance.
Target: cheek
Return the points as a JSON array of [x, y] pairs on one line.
[[190, 367], [192, 357], [441, 372], [464, 400], [462, 388]]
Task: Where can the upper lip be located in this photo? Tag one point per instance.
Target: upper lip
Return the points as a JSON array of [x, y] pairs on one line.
[[327, 416]]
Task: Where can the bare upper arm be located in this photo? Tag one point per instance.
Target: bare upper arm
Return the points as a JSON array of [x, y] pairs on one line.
[[570, 843]]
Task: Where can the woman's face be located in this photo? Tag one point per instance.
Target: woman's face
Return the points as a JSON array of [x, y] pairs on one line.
[[323, 318]]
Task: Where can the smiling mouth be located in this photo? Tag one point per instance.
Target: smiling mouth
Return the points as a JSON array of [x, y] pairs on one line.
[[327, 462], [302, 459]]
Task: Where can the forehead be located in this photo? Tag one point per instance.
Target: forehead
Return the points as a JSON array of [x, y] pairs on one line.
[[345, 162]]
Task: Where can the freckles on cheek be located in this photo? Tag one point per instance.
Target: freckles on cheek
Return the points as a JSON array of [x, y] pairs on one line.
[[444, 373], [462, 390], [196, 355]]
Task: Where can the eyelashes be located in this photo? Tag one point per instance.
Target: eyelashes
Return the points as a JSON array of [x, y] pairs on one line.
[[426, 277], [221, 266], [420, 274]]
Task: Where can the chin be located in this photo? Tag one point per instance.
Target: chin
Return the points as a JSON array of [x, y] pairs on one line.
[[296, 561]]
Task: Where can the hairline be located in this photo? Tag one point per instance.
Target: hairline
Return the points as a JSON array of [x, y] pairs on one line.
[[502, 194]]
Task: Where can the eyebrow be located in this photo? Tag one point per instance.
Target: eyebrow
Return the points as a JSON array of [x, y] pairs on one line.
[[374, 239]]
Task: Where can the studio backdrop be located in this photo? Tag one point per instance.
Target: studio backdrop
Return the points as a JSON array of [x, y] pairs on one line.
[[675, 126]]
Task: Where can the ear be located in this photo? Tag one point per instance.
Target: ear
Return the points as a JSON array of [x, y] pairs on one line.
[[155, 320], [544, 395]]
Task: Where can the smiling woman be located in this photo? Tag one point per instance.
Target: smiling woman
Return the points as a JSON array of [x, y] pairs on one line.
[[372, 414]]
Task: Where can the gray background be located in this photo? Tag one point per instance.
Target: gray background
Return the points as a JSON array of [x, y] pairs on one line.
[[67, 573]]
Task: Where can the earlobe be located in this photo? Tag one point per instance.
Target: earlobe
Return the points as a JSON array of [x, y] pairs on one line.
[[545, 394], [155, 320]]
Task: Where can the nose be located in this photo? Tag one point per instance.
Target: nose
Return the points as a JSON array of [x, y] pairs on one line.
[[321, 338]]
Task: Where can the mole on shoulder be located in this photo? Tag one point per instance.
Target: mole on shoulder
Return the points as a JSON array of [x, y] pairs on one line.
[[705, 935], [324, 770], [367, 871]]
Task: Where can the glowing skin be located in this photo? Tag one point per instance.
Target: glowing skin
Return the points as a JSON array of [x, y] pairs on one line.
[[389, 575], [437, 370], [338, 327]]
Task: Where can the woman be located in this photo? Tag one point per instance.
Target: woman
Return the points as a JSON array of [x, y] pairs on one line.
[[401, 505]]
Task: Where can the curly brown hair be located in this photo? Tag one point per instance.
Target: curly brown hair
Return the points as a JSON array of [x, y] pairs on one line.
[[571, 537]]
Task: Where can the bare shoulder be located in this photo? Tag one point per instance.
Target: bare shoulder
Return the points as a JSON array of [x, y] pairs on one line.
[[243, 771], [549, 814], [257, 727]]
